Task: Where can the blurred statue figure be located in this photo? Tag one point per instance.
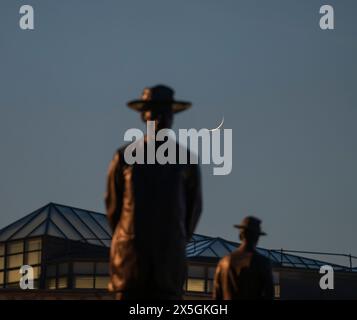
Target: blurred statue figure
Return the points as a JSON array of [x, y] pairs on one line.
[[245, 274], [153, 210]]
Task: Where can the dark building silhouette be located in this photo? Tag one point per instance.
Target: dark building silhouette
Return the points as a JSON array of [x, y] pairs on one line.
[[69, 251]]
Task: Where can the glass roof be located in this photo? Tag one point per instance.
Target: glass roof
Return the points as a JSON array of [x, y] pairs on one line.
[[61, 221], [92, 227], [218, 247]]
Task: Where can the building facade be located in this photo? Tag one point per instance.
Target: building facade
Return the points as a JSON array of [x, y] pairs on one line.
[[68, 250]]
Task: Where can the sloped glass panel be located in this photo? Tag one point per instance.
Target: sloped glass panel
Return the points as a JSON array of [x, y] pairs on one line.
[[65, 226], [40, 230], [96, 242], [308, 261], [294, 259], [204, 243], [231, 247], [107, 243], [195, 237], [285, 258], [79, 225], [193, 251], [198, 246], [189, 248], [208, 253], [11, 229], [275, 256], [196, 251], [93, 225], [320, 263], [31, 225], [2, 249], [103, 221], [219, 249], [264, 252], [198, 237], [54, 231]]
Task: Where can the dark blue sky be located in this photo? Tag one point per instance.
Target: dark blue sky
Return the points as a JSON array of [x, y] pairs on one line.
[[285, 87]]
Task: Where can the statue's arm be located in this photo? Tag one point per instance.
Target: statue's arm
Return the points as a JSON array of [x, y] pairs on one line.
[[114, 192], [217, 283]]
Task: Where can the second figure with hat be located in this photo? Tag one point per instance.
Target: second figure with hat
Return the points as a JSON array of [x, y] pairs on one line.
[[245, 274]]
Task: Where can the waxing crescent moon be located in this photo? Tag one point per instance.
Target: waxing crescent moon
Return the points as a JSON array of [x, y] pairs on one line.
[[220, 125]]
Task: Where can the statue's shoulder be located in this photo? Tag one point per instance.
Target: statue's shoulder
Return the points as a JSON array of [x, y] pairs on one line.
[[225, 262], [120, 151], [118, 158], [263, 260]]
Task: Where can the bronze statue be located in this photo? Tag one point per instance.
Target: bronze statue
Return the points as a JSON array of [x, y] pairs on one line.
[[245, 274], [153, 210]]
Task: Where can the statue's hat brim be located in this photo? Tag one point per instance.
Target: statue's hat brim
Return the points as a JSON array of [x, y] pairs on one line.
[[141, 105], [159, 95]]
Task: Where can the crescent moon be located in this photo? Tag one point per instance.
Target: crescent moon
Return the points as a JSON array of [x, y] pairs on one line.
[[220, 125]]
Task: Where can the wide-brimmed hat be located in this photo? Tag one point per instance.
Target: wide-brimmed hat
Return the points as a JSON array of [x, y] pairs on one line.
[[251, 224], [158, 95]]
